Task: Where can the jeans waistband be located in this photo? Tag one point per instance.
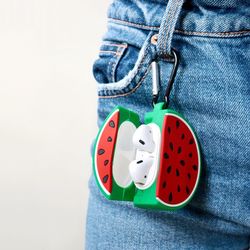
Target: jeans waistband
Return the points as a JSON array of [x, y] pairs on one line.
[[196, 17]]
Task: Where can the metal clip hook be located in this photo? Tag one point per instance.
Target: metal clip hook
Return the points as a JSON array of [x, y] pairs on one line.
[[155, 79], [171, 78]]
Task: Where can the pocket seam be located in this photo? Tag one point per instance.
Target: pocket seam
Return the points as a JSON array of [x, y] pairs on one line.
[[134, 77], [115, 51], [124, 45], [107, 52], [129, 80], [215, 34], [119, 53], [129, 92]]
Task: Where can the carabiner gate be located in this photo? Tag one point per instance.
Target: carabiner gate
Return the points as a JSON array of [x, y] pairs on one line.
[[155, 79]]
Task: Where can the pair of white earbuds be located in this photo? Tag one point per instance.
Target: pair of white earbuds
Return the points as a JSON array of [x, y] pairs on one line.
[[143, 141]]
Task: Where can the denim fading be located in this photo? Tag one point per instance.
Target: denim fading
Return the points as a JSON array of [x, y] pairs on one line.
[[212, 91]]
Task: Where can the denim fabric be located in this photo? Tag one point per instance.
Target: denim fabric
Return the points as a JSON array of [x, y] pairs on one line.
[[167, 27], [212, 91]]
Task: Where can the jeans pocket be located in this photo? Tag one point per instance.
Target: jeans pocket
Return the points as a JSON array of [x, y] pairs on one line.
[[121, 66], [110, 55]]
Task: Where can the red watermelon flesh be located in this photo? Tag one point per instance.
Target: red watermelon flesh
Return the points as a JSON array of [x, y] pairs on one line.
[[104, 152], [180, 162]]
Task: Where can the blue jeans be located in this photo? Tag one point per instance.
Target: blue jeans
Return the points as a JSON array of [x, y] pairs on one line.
[[211, 90]]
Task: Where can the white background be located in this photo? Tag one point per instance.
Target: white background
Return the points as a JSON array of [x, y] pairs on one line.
[[47, 120]]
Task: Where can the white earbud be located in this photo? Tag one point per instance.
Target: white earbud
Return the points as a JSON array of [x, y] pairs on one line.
[[139, 170], [143, 138]]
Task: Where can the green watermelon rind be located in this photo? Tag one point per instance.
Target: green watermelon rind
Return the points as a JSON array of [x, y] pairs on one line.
[[117, 193]]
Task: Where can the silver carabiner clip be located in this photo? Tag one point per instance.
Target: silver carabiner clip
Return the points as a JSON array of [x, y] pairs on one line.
[[155, 79]]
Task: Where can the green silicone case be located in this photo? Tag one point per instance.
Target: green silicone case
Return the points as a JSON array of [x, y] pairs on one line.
[[178, 165]]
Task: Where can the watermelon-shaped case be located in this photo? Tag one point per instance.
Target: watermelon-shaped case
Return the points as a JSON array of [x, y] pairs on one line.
[[113, 153], [175, 164]]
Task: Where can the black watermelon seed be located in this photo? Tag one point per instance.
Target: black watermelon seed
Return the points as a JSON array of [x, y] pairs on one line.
[[166, 156], [190, 155], [171, 146], [195, 167], [145, 176], [101, 151], [187, 190], [189, 176], [178, 188], [182, 136], [182, 162], [105, 178], [169, 130], [177, 124], [169, 169], [170, 197], [164, 184], [191, 141], [112, 124], [179, 150], [106, 162], [142, 142], [177, 172], [109, 139], [139, 162]]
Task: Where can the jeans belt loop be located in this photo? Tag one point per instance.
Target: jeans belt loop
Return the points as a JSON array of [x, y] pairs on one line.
[[167, 27]]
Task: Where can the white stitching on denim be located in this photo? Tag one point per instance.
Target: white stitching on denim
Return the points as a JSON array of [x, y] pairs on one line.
[[116, 20], [107, 52], [127, 93], [113, 68], [110, 66], [184, 32], [136, 72], [215, 34], [123, 45], [117, 54], [142, 59]]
